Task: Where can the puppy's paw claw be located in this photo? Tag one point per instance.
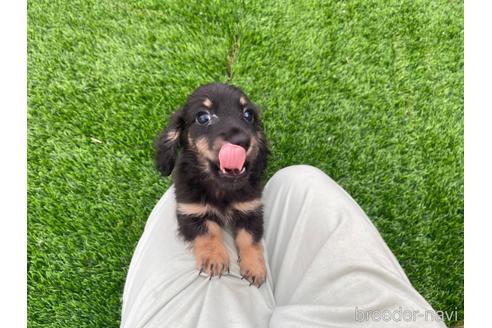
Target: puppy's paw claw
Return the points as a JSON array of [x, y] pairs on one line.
[[213, 263]]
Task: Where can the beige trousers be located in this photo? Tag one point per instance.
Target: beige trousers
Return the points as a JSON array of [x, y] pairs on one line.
[[327, 267]]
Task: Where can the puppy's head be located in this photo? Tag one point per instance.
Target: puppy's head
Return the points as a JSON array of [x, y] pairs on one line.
[[219, 127]]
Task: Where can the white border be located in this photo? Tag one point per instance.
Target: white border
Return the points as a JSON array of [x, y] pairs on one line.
[[478, 163], [13, 136]]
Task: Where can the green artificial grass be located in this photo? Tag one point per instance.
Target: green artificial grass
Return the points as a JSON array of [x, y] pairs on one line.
[[371, 92]]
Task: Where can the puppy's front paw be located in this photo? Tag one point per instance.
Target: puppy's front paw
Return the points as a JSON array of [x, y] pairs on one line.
[[211, 256], [252, 264]]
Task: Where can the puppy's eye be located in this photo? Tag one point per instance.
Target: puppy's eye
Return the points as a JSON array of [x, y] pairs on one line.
[[202, 118], [248, 115]]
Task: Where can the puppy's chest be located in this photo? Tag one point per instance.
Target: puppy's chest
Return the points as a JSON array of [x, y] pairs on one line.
[[225, 213]]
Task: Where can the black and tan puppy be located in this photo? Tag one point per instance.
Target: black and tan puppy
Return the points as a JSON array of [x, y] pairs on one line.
[[218, 148]]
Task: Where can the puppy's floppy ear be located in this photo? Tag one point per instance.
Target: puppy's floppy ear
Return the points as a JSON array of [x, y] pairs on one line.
[[168, 143]]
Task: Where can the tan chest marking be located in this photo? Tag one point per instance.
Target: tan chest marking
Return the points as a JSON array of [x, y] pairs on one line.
[[226, 215], [247, 206]]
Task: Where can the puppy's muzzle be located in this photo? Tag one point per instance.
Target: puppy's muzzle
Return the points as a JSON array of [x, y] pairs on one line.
[[239, 139]]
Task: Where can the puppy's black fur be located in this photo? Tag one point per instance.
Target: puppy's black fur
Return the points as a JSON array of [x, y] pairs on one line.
[[204, 192]]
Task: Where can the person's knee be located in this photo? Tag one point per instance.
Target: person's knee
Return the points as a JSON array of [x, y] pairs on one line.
[[299, 175], [299, 169], [298, 181]]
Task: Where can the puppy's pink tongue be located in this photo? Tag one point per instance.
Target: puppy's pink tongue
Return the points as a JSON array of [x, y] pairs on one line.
[[231, 157]]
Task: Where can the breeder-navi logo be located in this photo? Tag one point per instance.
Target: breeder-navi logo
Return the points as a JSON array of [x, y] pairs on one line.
[[405, 315]]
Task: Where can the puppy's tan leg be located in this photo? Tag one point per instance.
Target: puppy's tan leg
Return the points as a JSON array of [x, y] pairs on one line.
[[251, 260], [210, 253]]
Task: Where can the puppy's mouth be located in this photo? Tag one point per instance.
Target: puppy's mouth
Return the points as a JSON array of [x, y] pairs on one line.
[[232, 160]]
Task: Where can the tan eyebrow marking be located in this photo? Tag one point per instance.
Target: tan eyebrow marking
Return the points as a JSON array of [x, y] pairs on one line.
[[248, 206], [242, 101], [207, 103]]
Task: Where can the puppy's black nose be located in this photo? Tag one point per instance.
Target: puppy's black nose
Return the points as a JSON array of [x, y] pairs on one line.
[[239, 138]]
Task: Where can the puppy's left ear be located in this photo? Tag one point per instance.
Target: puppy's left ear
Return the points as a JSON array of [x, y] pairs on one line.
[[168, 143]]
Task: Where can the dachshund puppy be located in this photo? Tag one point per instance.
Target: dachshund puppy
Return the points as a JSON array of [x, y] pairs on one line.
[[222, 155]]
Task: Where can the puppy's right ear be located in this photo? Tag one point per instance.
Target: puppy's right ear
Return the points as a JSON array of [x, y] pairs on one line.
[[168, 143]]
